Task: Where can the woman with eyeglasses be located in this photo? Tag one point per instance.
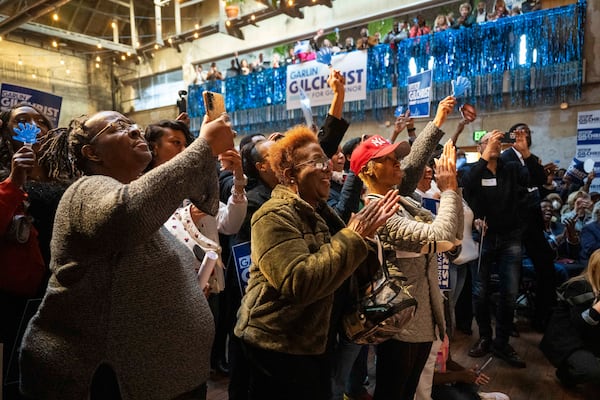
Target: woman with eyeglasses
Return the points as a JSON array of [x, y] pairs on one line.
[[304, 255], [411, 239], [123, 316]]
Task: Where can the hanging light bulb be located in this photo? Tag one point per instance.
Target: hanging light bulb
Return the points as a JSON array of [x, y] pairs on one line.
[[97, 65], [34, 75], [55, 16], [123, 57], [62, 62], [99, 45], [97, 58], [128, 54], [197, 26], [113, 24], [20, 62], [68, 71], [54, 43], [156, 46], [196, 35]]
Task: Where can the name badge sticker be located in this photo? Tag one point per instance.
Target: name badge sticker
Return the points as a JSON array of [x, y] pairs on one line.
[[489, 182]]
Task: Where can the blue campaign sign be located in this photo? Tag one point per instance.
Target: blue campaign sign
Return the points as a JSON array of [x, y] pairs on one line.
[[419, 90], [241, 257], [47, 104]]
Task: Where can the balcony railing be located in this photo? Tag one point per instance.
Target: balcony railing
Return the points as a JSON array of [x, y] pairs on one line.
[[527, 60]]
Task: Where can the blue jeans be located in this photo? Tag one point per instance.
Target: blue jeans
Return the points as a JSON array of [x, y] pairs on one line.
[[344, 358], [458, 276], [504, 250]]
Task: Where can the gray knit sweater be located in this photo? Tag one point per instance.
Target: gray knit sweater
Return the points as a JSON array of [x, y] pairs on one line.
[[123, 291]]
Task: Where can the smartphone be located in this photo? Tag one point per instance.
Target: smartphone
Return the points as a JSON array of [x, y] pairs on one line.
[[214, 104], [509, 137], [485, 364]]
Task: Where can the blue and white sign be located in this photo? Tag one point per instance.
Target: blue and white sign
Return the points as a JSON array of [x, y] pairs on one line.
[[241, 257], [443, 271], [311, 77], [588, 144], [47, 104], [419, 91]]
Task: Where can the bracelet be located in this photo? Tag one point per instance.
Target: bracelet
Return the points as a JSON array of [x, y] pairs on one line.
[[411, 129], [240, 182]]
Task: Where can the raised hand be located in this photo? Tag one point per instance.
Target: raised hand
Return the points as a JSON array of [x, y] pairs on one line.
[[445, 168], [23, 161], [218, 134], [444, 109]]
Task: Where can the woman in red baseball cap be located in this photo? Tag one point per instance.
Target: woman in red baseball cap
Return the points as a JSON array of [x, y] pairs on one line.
[[411, 240]]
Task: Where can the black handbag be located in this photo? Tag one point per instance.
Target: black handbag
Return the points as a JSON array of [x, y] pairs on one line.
[[381, 309]]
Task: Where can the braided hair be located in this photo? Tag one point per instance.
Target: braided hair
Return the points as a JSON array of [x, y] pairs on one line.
[[61, 151]]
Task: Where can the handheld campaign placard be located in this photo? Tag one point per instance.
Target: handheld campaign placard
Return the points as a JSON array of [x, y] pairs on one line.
[[241, 257]]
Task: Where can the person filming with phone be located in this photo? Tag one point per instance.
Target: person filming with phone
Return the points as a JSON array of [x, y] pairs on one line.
[[495, 190]]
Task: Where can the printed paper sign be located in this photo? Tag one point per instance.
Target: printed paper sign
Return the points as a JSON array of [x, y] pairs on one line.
[[419, 90], [311, 77], [588, 144], [241, 257], [47, 104]]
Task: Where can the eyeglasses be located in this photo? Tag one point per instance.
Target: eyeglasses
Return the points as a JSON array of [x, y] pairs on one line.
[[322, 163], [116, 126]]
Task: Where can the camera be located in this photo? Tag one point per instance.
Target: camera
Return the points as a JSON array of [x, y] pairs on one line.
[[182, 102], [509, 137]]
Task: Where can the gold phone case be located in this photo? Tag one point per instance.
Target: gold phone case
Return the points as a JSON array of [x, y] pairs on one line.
[[214, 104]]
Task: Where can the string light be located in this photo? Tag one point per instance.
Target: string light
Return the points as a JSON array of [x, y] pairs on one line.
[[196, 35], [97, 58], [99, 45], [156, 46], [123, 57], [128, 54], [97, 65], [55, 16], [34, 75], [62, 62], [20, 62], [54, 43], [197, 26], [68, 71], [113, 24]]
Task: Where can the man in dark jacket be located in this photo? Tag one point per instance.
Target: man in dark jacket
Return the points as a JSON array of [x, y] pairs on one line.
[[494, 190], [535, 243]]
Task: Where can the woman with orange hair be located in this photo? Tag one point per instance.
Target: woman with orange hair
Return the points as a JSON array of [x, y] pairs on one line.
[[304, 255]]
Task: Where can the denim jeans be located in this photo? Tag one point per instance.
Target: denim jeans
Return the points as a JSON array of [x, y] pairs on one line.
[[458, 276], [505, 251], [344, 357]]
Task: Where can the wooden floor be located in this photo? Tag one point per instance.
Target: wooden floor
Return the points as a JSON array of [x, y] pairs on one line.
[[536, 382]]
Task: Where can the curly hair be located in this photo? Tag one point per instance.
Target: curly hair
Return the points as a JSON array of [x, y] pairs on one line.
[[281, 154]]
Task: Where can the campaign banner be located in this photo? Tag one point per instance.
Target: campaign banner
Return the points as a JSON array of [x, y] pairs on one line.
[[311, 77], [47, 104], [419, 91], [443, 271], [588, 146], [241, 258]]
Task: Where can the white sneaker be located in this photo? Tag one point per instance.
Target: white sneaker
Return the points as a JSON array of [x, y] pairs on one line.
[[493, 396]]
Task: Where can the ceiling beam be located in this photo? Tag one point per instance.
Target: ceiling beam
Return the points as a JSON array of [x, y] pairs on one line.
[[30, 13], [73, 36]]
